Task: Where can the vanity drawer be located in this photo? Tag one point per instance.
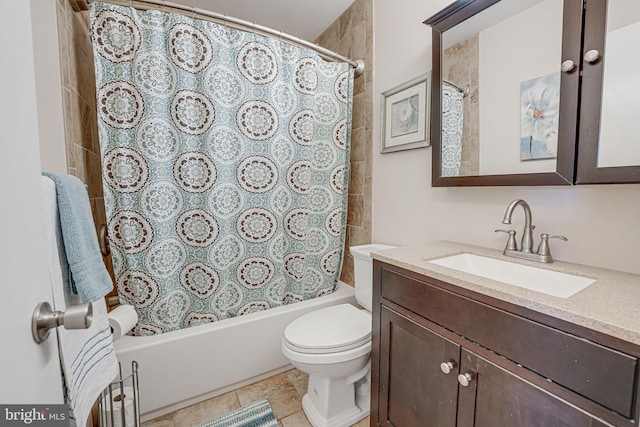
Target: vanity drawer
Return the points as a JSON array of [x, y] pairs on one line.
[[599, 373]]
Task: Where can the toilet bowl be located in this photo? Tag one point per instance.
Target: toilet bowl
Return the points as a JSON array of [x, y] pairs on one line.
[[333, 345]]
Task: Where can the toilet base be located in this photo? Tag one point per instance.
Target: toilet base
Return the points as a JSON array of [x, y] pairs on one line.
[[348, 416], [344, 419]]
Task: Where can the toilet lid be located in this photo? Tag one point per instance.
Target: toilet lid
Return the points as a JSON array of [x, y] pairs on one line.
[[329, 330]]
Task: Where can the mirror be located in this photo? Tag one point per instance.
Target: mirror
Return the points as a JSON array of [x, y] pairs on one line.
[[610, 153], [503, 112]]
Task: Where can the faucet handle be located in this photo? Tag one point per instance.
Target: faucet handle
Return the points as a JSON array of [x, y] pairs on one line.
[[543, 249], [511, 242]]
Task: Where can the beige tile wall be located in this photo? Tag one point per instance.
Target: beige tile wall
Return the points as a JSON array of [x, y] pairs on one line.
[[79, 97], [351, 35], [460, 66]]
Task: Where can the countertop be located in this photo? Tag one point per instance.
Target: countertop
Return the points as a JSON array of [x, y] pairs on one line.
[[610, 305]]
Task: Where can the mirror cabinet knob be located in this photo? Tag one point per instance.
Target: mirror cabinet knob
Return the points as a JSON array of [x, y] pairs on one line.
[[568, 66], [592, 56]]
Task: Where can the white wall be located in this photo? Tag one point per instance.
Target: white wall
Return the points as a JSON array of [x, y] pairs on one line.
[[601, 222], [511, 52], [48, 86], [620, 99]]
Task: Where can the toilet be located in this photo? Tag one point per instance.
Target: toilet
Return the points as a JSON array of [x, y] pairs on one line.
[[332, 345]]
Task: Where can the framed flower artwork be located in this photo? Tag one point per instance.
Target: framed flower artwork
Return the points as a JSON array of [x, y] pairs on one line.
[[405, 115], [540, 106]]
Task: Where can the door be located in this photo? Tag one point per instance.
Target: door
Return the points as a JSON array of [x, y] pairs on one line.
[[608, 152], [492, 396], [414, 391], [29, 373]]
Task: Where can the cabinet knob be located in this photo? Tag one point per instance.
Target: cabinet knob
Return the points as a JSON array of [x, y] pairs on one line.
[[446, 367], [465, 379], [568, 66], [592, 56]]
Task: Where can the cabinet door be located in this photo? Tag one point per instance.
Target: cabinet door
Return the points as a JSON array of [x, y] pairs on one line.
[[608, 151], [414, 391], [496, 397]]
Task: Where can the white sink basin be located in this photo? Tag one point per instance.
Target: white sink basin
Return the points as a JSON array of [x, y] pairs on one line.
[[537, 279]]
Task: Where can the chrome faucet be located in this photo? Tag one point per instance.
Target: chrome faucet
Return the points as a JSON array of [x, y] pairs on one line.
[[526, 250], [527, 236]]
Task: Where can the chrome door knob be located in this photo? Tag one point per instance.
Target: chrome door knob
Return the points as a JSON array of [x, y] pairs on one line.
[[446, 367], [465, 379], [44, 318]]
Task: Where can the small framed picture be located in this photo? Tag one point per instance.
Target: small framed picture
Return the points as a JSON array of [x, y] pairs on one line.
[[539, 112], [405, 115]]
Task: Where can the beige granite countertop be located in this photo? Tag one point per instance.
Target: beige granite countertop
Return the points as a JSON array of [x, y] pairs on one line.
[[610, 305]]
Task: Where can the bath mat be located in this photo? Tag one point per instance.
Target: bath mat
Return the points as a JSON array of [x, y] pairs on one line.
[[255, 414]]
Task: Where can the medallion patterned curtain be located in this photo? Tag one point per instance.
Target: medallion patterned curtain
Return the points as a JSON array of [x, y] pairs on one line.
[[224, 160], [452, 121]]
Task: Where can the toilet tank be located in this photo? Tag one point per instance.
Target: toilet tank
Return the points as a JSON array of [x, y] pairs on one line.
[[363, 271]]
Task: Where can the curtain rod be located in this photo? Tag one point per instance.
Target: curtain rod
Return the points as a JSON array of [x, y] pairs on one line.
[[229, 21], [465, 91]]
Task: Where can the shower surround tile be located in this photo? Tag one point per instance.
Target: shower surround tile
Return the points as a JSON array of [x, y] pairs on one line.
[[358, 141], [351, 35], [359, 113], [356, 178]]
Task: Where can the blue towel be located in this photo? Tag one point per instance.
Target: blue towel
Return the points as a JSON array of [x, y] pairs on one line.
[[88, 275]]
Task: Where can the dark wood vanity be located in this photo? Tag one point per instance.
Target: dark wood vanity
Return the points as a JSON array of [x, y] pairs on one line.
[[443, 355]]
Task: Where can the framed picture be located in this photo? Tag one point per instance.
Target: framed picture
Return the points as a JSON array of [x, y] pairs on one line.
[[539, 110], [405, 115]]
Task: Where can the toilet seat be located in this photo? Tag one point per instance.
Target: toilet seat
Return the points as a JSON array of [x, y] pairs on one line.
[[333, 329]]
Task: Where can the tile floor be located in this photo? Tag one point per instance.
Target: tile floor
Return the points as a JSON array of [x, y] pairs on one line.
[[284, 392]]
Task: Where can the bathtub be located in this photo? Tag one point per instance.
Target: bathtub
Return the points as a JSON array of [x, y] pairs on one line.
[[180, 368]]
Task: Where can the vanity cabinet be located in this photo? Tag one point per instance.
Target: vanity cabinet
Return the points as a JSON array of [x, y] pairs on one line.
[[446, 356]]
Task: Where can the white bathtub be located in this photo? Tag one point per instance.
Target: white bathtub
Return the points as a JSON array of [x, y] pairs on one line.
[[180, 368]]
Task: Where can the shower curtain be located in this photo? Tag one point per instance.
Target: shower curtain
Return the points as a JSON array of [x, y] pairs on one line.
[[452, 121], [225, 166]]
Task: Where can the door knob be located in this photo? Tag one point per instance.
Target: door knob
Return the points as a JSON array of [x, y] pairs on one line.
[[43, 319], [446, 367], [465, 379]]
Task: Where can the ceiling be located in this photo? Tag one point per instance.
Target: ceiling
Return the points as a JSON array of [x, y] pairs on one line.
[[306, 19]]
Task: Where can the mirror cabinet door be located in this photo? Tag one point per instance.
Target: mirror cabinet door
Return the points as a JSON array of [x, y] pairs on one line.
[[609, 145], [503, 113]]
